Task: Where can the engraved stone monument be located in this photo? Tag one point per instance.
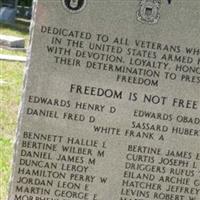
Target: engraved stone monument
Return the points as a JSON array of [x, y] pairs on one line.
[[111, 102]]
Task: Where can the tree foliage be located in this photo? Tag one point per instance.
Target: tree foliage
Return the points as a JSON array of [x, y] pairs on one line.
[[25, 2]]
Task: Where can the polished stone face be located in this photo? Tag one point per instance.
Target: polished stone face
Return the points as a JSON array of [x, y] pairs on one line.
[[111, 101]]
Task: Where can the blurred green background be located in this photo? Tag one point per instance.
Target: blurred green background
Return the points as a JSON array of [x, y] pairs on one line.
[[11, 78]]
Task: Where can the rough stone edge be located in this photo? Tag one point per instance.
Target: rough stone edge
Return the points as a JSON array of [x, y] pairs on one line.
[[21, 106]]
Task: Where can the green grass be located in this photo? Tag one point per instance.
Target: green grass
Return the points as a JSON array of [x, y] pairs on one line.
[[11, 75], [12, 52], [5, 169], [19, 29]]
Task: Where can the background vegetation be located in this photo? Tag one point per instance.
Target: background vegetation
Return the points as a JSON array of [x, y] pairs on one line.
[[20, 2], [25, 2], [11, 75]]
